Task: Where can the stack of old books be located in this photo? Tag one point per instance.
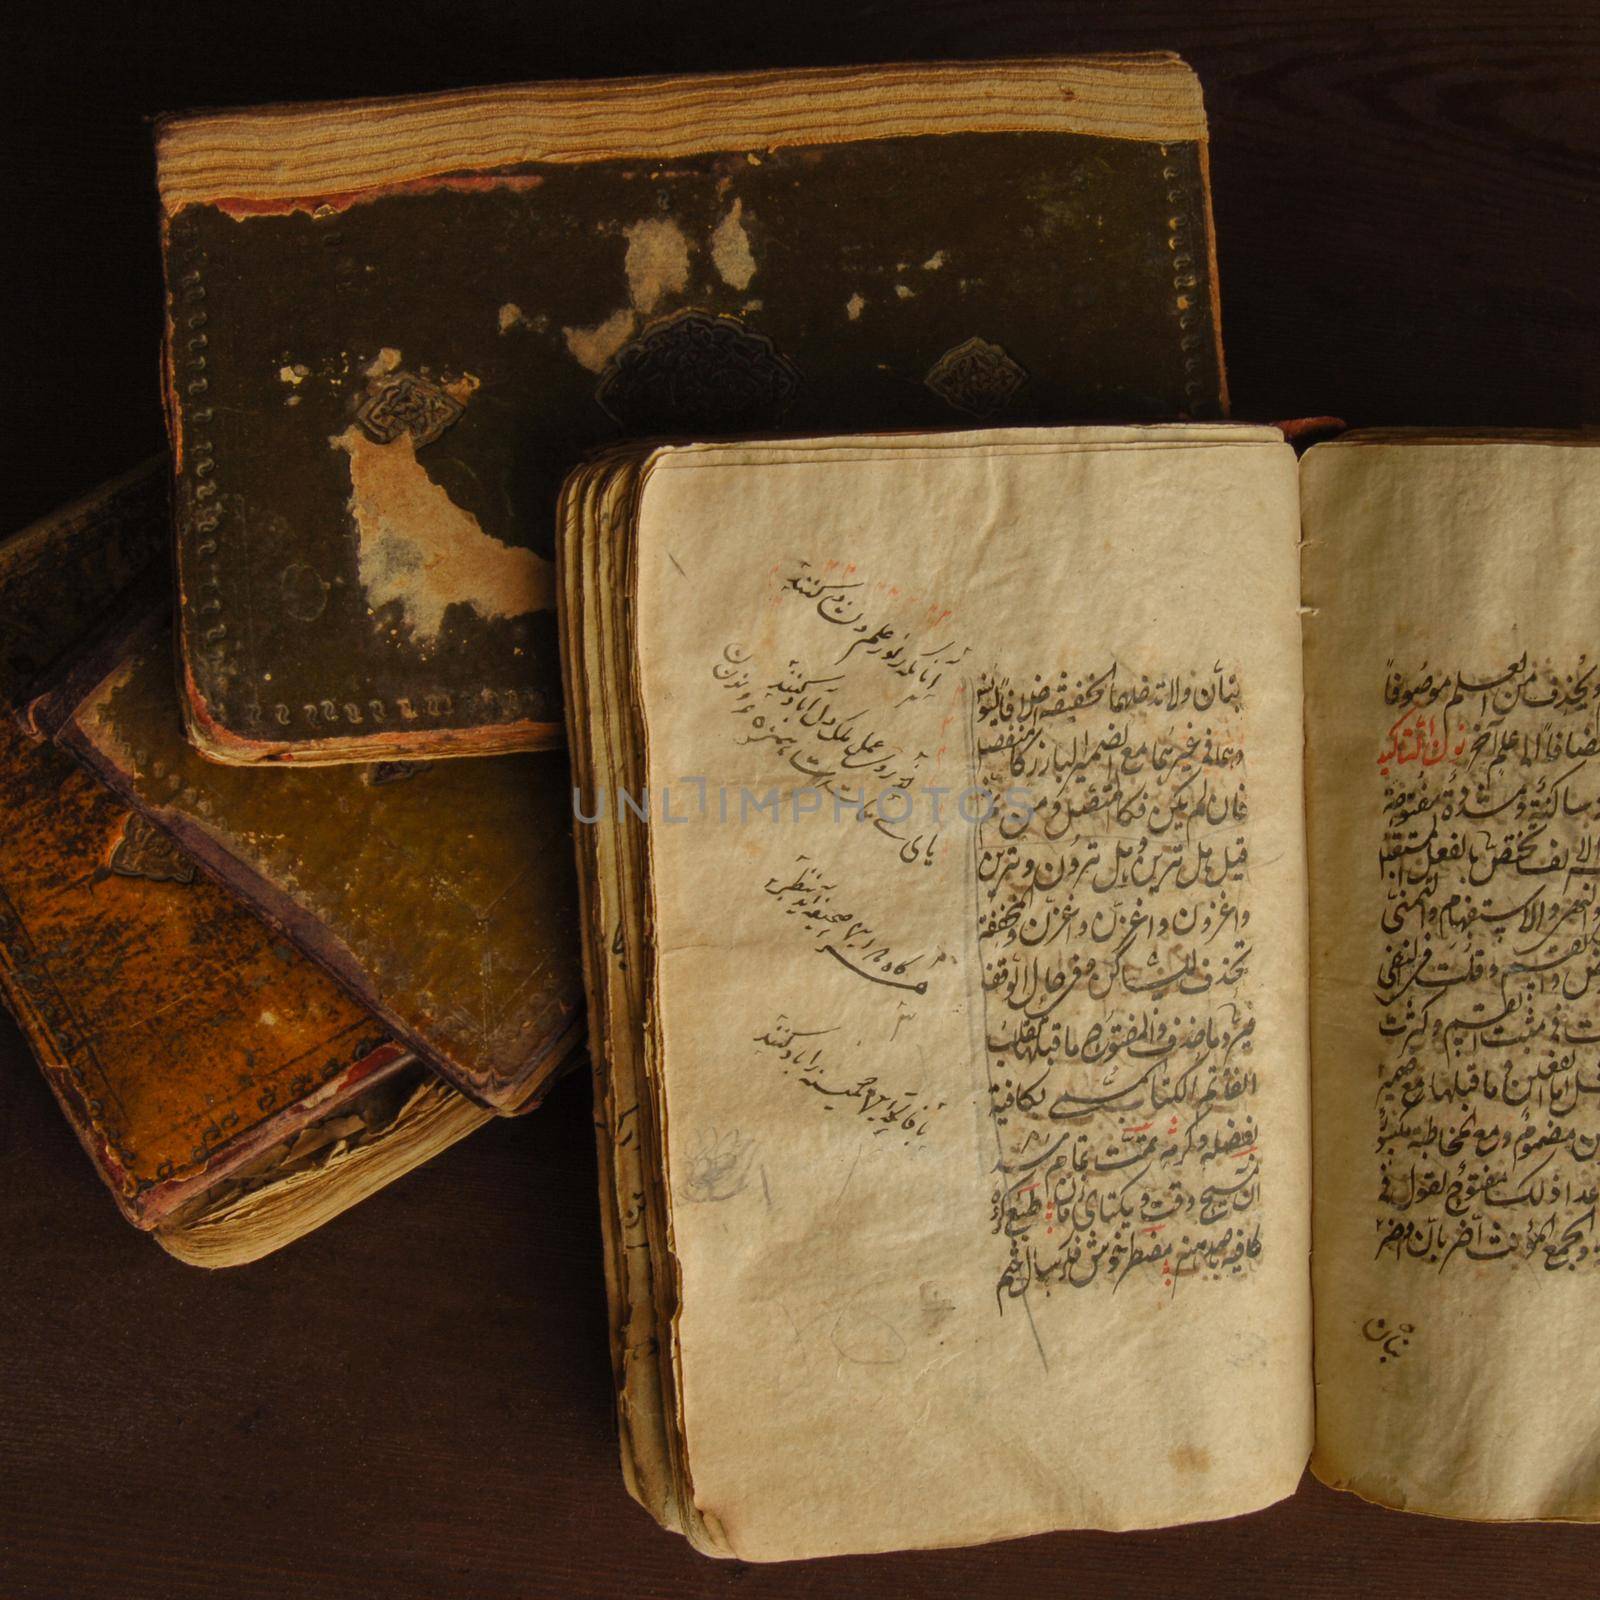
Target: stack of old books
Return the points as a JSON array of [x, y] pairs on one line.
[[902, 779]]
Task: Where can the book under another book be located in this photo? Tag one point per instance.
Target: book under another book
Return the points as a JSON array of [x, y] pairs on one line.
[[230, 1096], [440, 896], [952, 832], [394, 325]]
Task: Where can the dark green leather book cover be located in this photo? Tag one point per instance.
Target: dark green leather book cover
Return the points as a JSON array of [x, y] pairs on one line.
[[395, 325], [440, 895]]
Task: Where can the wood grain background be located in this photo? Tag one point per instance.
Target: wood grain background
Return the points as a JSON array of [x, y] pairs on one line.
[[415, 1401]]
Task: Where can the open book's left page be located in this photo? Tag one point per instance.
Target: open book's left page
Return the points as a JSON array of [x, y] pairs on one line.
[[977, 893]]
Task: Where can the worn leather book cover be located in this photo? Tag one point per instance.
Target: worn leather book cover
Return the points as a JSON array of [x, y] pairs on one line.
[[202, 1062], [439, 895], [394, 325]]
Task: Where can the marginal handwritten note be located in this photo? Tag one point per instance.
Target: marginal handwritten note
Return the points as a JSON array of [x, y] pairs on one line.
[[810, 896], [1114, 928], [832, 1066], [1488, 1091], [836, 720], [848, 703]]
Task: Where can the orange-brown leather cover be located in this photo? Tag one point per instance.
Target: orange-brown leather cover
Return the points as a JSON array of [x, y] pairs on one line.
[[180, 1035]]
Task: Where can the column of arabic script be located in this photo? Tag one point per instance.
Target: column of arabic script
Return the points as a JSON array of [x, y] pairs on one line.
[[1114, 926], [1488, 1095]]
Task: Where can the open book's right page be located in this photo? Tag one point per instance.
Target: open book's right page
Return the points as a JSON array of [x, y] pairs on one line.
[[1452, 625]]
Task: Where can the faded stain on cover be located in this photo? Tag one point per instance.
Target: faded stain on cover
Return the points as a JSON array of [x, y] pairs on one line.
[[419, 549]]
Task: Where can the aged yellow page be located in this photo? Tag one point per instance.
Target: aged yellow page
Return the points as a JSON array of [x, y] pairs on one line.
[[977, 888], [1453, 772]]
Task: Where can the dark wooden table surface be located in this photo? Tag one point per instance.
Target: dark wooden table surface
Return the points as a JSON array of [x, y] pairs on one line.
[[415, 1400]]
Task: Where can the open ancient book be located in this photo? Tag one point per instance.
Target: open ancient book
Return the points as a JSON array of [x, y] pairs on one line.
[[1094, 958]]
